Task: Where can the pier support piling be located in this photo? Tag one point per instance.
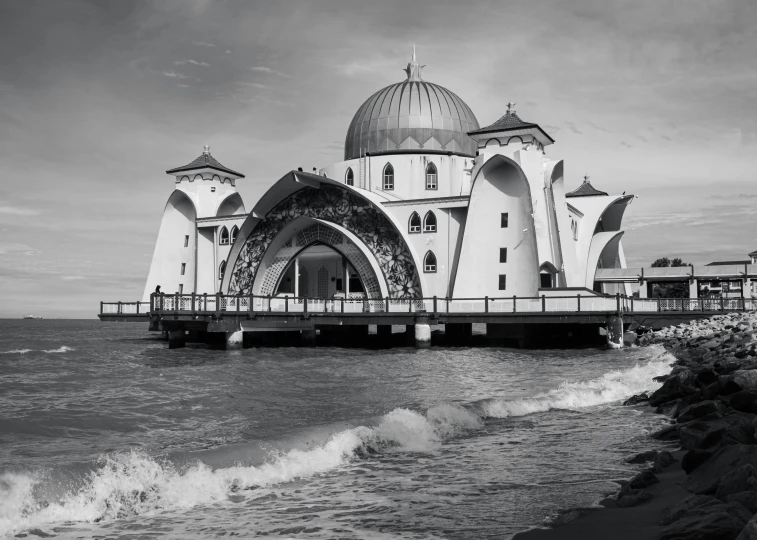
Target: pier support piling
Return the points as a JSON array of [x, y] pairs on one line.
[[615, 331], [410, 334], [459, 333], [176, 339], [384, 330], [234, 340], [422, 333], [308, 338]]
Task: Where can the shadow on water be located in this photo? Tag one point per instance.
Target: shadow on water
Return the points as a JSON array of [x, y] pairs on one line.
[[192, 356]]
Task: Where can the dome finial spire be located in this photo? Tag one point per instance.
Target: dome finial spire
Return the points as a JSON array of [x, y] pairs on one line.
[[413, 69]]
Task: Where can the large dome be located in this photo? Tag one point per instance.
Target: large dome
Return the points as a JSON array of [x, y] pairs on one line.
[[411, 116]]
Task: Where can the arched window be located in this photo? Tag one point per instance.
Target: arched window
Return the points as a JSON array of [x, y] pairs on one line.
[[429, 222], [221, 270], [415, 223], [431, 176], [224, 236], [233, 234], [349, 178], [429, 263], [388, 177]]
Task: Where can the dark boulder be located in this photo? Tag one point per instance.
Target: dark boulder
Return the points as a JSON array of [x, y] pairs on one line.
[[750, 531], [742, 478], [635, 498], [694, 458], [711, 391], [672, 408], [721, 522], [744, 401], [701, 434], [698, 410], [643, 457], [643, 479], [687, 505], [667, 433], [663, 460], [677, 386], [706, 478], [748, 499], [709, 431], [638, 398]]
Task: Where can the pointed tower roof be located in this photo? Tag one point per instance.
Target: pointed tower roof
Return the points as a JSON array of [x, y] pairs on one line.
[[585, 190], [205, 161], [512, 122]]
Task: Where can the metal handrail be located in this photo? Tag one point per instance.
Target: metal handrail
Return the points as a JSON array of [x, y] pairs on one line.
[[218, 303]]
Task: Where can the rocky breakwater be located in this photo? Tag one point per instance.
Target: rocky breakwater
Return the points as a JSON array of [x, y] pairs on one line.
[[711, 399]]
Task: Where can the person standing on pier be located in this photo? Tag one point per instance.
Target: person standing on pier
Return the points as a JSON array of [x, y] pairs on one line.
[[157, 289]]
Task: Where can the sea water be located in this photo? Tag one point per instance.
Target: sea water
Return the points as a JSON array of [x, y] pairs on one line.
[[106, 433]]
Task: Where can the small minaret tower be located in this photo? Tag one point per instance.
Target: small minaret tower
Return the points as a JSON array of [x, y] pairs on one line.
[[190, 244]]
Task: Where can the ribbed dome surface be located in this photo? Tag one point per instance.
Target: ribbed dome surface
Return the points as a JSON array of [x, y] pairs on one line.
[[413, 115]]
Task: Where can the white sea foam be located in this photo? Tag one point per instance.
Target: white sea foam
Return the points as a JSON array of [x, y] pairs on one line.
[[133, 483], [58, 350], [609, 388], [61, 349]]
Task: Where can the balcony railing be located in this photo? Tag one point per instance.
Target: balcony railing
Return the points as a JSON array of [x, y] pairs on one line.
[[216, 303]]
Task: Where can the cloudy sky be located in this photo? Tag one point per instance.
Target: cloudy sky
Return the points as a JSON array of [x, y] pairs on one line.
[[99, 98]]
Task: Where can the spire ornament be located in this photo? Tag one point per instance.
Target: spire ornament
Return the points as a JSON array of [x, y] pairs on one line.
[[511, 107], [413, 69], [206, 150], [586, 178]]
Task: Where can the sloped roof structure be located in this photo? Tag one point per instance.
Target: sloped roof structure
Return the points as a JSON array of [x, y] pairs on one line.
[[205, 161]]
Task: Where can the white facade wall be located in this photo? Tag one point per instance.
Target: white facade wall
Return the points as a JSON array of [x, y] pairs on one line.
[[453, 175], [175, 246], [441, 243], [499, 187], [200, 195]]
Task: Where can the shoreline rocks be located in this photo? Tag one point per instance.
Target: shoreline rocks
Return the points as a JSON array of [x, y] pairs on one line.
[[710, 397]]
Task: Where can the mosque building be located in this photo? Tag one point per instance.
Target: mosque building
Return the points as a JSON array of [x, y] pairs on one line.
[[426, 202]]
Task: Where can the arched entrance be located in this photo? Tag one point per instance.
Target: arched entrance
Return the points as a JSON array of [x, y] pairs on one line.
[[306, 256], [374, 243]]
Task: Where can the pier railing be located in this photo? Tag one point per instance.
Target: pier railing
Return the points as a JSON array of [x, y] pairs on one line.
[[215, 303]]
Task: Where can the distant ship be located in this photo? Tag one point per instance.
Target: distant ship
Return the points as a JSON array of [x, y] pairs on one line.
[[31, 317]]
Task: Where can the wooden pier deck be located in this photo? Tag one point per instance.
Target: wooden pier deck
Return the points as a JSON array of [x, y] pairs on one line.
[[506, 316]]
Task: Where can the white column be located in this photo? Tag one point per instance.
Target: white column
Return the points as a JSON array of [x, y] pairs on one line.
[[296, 277]]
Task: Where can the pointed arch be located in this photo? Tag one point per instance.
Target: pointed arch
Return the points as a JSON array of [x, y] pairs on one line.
[[223, 236], [431, 176], [388, 177], [429, 222], [233, 234], [221, 270], [429, 263], [349, 177], [414, 223]]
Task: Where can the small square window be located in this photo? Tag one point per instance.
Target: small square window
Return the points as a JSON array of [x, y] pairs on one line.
[[503, 220], [183, 268], [186, 241], [503, 255], [502, 282], [213, 189]]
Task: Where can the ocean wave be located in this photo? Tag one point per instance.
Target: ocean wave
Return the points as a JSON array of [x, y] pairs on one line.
[[61, 349], [609, 388], [58, 350], [132, 483]]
